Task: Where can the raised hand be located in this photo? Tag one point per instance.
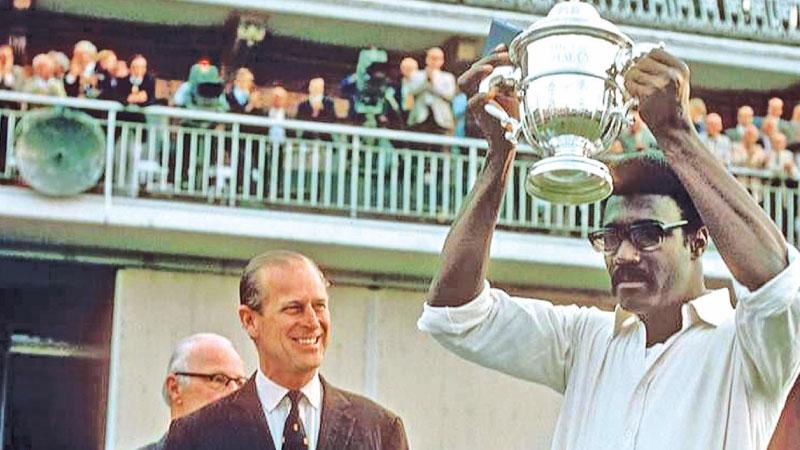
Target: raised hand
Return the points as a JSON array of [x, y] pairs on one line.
[[661, 83], [468, 83]]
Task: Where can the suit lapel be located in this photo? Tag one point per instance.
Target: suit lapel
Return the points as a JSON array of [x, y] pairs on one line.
[[336, 424], [249, 408]]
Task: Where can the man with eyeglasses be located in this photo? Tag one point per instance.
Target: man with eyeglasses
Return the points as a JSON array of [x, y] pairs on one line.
[[203, 368], [674, 366], [287, 404]]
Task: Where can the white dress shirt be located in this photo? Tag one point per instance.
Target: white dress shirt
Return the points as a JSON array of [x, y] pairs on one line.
[[277, 405], [720, 382]]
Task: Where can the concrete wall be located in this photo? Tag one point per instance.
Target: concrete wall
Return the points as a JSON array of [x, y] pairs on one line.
[[446, 403]]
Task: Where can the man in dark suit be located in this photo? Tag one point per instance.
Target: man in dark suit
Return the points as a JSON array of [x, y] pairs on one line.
[[286, 404]]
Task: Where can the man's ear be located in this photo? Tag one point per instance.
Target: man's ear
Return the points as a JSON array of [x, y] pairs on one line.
[[247, 316], [173, 389], [699, 241]]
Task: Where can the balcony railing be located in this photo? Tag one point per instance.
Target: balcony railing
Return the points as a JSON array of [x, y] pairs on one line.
[[256, 162], [759, 20]]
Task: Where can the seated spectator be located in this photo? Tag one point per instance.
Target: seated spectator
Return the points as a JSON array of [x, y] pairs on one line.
[[697, 112], [744, 118], [717, 143], [637, 137], [139, 87], [203, 89], [781, 160], [11, 76], [277, 111], [106, 75], [317, 107], [239, 96], [43, 82], [433, 90], [80, 81]]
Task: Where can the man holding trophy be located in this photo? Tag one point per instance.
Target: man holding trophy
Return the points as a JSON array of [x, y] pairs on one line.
[[674, 366]]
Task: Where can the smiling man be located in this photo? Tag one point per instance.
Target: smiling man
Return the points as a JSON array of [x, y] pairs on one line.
[[675, 366], [286, 404]]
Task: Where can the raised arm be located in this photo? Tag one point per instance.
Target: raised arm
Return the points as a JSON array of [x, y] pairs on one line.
[[748, 241], [466, 249]]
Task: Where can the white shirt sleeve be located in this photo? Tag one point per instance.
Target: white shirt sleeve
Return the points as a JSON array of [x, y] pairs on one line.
[[529, 339], [768, 328]]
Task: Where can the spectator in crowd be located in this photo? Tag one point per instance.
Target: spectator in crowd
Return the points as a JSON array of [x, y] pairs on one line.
[[744, 118], [106, 75], [637, 137], [780, 160], [42, 81], [718, 143], [277, 111], [287, 404], [408, 67], [697, 112], [317, 107], [769, 127], [775, 112], [794, 135], [240, 95], [11, 75], [139, 87], [203, 368], [460, 114], [203, 89], [80, 81], [61, 64], [749, 154], [121, 70], [433, 90]]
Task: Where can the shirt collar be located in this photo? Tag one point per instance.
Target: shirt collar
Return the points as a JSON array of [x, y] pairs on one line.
[[271, 393], [712, 308]]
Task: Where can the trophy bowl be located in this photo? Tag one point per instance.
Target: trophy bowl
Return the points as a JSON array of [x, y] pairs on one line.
[[568, 73]]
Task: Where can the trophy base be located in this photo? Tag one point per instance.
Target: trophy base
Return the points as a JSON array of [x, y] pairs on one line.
[[569, 179]]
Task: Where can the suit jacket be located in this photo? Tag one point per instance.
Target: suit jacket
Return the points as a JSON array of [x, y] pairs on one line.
[[125, 87], [433, 96], [349, 422]]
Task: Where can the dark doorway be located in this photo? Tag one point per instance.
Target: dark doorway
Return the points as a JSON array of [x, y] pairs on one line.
[[55, 321]]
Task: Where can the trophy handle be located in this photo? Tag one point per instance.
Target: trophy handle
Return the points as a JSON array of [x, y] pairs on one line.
[[506, 76]]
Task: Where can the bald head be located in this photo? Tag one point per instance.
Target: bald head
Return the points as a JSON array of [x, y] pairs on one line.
[[713, 124], [203, 354], [775, 107]]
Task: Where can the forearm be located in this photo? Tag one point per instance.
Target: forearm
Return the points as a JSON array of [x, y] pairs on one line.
[[747, 239], [466, 249]]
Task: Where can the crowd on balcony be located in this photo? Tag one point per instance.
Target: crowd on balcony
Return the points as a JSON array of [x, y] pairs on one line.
[[423, 99], [768, 142]]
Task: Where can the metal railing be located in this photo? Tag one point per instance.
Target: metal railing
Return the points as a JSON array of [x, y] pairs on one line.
[[760, 20], [257, 162]]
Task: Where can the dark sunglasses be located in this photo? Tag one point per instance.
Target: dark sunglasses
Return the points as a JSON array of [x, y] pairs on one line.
[[645, 235], [218, 381]]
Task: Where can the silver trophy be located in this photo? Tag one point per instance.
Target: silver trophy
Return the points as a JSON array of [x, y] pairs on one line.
[[568, 73]]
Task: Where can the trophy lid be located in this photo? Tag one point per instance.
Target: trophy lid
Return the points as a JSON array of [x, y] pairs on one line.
[[571, 17]]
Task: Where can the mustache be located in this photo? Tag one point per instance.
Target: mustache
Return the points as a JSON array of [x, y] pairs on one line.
[[628, 273]]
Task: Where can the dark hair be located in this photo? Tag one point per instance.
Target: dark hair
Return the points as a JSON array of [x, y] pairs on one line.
[[252, 290], [646, 173]]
